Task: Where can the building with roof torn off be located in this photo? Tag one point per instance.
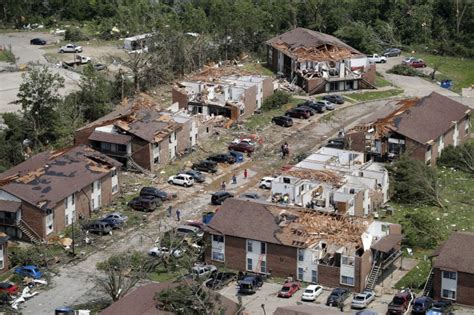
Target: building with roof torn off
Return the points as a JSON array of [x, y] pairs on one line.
[[319, 62], [334, 181], [43, 195], [421, 128], [312, 247], [452, 276], [140, 135], [224, 91]]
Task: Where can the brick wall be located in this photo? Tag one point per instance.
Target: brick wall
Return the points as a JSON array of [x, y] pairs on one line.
[[274, 64], [83, 202], [179, 97], [417, 150], [235, 253], [183, 135], [164, 151], [250, 102], [463, 136], [59, 219], [281, 260], [267, 87], [357, 141], [106, 187], [437, 283], [328, 276], [465, 293], [362, 268], [141, 154], [82, 136], [370, 74], [34, 217]]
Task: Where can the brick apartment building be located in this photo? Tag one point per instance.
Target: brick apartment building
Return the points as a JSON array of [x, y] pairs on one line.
[[140, 135], [453, 269], [420, 127], [263, 238], [44, 194]]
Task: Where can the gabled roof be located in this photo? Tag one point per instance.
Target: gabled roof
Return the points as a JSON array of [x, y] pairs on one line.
[[304, 44], [456, 254], [109, 137], [48, 177]]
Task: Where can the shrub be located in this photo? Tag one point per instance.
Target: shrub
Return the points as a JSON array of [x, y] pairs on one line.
[[460, 157], [405, 70], [74, 35], [278, 99]]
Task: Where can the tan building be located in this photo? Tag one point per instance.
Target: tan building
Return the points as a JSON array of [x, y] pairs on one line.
[[46, 193]]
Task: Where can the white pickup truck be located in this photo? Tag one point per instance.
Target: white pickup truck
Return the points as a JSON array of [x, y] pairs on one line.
[[377, 58]]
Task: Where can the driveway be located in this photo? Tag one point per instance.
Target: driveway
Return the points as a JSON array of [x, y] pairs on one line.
[[27, 54], [413, 86]]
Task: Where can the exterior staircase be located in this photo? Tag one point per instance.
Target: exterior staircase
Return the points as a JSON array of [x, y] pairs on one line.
[[366, 84], [29, 232], [427, 290], [131, 164], [374, 276]]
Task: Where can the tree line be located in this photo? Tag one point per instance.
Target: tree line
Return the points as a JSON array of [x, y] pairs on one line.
[[439, 26]]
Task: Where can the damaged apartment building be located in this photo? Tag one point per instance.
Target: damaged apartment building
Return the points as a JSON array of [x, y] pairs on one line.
[[319, 62], [43, 195], [223, 91], [334, 181], [312, 247], [140, 135], [420, 127]]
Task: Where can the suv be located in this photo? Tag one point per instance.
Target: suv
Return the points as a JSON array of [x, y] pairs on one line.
[[181, 179], [249, 284], [205, 166], [298, 112], [266, 182], [282, 121], [318, 108], [328, 105], [337, 143], [337, 296], [333, 98], [155, 192], [219, 197], [196, 175], [400, 302], [421, 305], [241, 147], [222, 158], [98, 227], [144, 203], [201, 271]]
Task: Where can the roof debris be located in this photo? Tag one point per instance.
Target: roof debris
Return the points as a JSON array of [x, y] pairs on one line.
[[326, 176]]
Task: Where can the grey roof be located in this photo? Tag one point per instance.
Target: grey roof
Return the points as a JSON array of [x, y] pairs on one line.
[[456, 254], [9, 206], [110, 137], [388, 242], [48, 177]]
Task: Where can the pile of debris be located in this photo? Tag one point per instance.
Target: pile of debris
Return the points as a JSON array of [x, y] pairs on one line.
[[325, 176], [213, 72]]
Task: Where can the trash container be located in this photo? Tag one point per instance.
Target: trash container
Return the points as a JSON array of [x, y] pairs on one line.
[[447, 84], [64, 311], [207, 217]]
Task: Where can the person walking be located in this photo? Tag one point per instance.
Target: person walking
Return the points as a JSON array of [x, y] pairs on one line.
[[245, 173], [234, 179], [170, 211], [223, 185], [178, 215]]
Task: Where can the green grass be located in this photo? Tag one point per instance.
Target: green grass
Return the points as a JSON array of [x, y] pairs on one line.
[[380, 81], [415, 278], [7, 56], [375, 95], [257, 68], [163, 275], [259, 121], [460, 70]]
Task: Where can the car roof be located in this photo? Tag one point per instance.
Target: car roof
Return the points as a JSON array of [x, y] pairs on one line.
[[312, 287], [268, 178], [221, 193], [187, 227]]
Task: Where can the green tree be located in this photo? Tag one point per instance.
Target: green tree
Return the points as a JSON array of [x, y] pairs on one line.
[[422, 229], [95, 94], [460, 157], [39, 99]]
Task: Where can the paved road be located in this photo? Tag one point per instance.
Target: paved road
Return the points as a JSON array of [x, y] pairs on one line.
[[27, 54]]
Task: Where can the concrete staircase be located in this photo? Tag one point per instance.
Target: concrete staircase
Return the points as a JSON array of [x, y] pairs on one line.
[[29, 232]]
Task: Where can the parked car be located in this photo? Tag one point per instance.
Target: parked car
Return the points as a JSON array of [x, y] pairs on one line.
[[417, 64], [298, 112], [375, 58], [117, 216], [408, 60], [283, 121], [70, 48], [334, 98], [222, 158], [144, 203], [392, 52], [421, 305], [363, 299], [239, 156], [98, 227], [100, 66], [37, 41], [366, 312], [249, 284], [188, 231], [266, 182], [250, 195], [400, 302], [289, 289], [201, 271], [218, 198], [441, 307], [114, 223], [328, 105], [312, 292], [181, 179], [165, 251], [241, 147], [311, 110], [196, 175], [318, 108], [337, 143], [219, 280], [205, 166], [8, 287], [337, 296], [31, 271], [155, 192]]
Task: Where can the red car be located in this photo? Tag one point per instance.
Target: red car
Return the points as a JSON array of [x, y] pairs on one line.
[[418, 64], [241, 147], [289, 289], [8, 287]]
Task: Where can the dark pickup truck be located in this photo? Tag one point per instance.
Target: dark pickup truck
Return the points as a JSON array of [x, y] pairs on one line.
[[401, 302]]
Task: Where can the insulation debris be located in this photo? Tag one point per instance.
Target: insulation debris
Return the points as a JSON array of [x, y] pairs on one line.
[[326, 176]]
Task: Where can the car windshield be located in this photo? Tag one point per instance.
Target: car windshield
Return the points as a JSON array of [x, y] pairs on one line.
[[285, 289], [246, 285], [398, 300], [309, 291], [359, 298]]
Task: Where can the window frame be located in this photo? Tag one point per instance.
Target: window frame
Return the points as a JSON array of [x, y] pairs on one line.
[[346, 282], [249, 246]]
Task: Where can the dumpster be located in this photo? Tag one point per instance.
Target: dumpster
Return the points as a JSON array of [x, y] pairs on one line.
[[447, 84], [207, 217]]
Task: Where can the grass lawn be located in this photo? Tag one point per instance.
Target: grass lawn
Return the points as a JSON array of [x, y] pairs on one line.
[[259, 121], [460, 70], [7, 56], [257, 68], [163, 275], [375, 95], [380, 81]]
